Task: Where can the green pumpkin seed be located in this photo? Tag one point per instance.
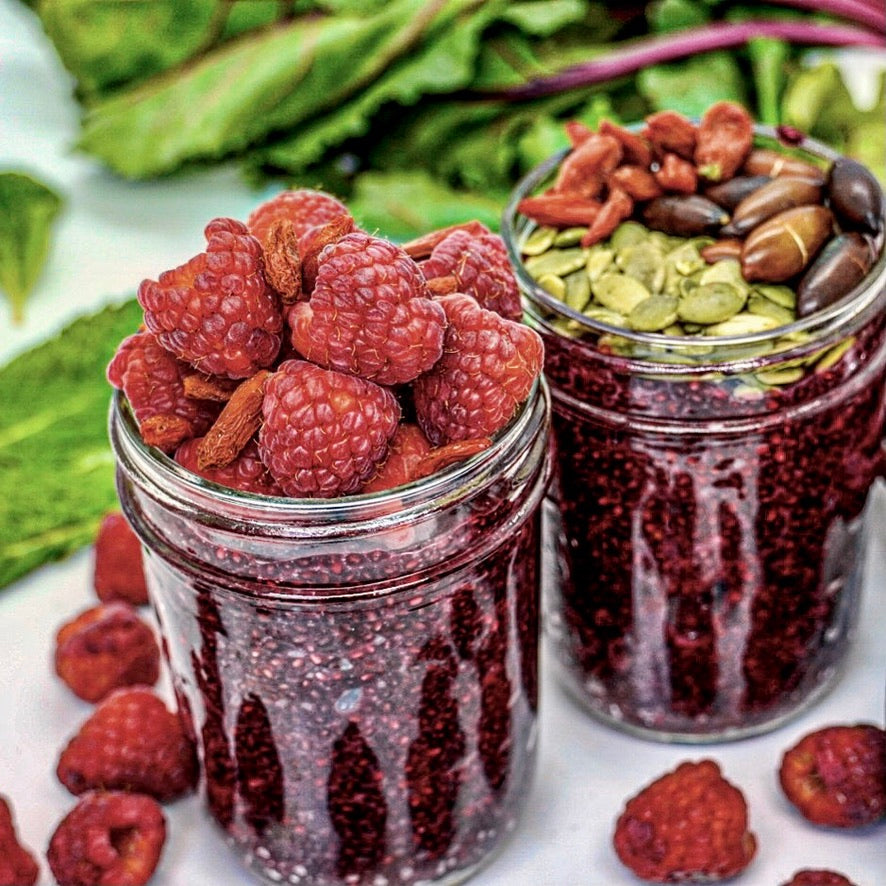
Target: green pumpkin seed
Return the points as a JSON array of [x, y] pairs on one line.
[[619, 293], [604, 315], [686, 259], [654, 314], [598, 261], [675, 329], [553, 284], [781, 295], [540, 240], [743, 324], [727, 270], [578, 290], [556, 261], [643, 262], [711, 303], [570, 236], [759, 304], [833, 355], [785, 376], [628, 233]]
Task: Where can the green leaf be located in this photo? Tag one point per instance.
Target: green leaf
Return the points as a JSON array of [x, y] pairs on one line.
[[768, 59], [691, 86], [27, 210], [545, 19], [56, 467], [817, 102], [675, 15]]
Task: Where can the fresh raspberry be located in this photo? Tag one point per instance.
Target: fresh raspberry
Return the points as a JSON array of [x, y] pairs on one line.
[[370, 313], [810, 877], [216, 311], [324, 433], [109, 838], [305, 208], [118, 573], [104, 648], [152, 380], [478, 265], [131, 742], [17, 866], [836, 776], [247, 472], [690, 825], [408, 447], [488, 367]]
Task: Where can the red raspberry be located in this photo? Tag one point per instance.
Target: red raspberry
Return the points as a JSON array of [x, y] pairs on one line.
[[488, 367], [690, 825], [108, 839], [478, 265], [132, 742], [836, 776], [809, 877], [370, 313], [17, 866], [324, 433], [247, 472], [305, 208], [408, 447], [152, 380], [104, 648], [216, 311], [119, 573]]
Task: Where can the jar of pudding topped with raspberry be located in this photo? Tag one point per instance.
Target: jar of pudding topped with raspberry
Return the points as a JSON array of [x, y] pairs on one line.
[[712, 297], [353, 643]]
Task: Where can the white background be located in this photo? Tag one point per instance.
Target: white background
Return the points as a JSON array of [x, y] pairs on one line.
[[110, 236]]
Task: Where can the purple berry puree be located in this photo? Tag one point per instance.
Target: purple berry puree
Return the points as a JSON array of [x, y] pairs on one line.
[[364, 701], [707, 543]]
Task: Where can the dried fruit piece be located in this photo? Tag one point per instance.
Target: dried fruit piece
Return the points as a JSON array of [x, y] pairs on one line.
[[818, 877], [421, 247], [408, 447], [724, 140], [131, 742], [690, 825], [479, 267], [106, 647], [488, 367], [118, 572], [247, 472], [305, 208], [209, 387], [216, 311], [586, 168], [615, 209], [559, 209], [109, 838], [324, 433], [635, 149], [312, 245], [152, 380], [283, 261], [676, 175], [637, 182], [18, 867], [671, 132], [836, 776]]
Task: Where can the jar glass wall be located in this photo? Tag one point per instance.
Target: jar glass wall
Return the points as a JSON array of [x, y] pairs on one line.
[[360, 674], [706, 526]]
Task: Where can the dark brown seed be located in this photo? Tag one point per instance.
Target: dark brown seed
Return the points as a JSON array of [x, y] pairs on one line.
[[685, 216], [730, 193], [785, 244], [840, 267], [778, 195], [765, 161], [855, 195], [727, 247]]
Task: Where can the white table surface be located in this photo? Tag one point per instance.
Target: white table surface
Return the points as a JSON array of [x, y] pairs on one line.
[[111, 235]]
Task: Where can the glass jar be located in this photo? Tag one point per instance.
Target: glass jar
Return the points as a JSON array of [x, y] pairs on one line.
[[705, 523], [360, 674]]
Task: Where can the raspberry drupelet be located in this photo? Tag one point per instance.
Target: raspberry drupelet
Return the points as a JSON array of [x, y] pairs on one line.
[[18, 866], [247, 472], [217, 311], [305, 208]]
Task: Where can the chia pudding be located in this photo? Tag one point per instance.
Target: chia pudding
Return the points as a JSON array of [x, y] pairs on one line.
[[360, 673], [704, 529]]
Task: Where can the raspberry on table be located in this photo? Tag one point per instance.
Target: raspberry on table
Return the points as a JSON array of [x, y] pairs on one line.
[[487, 370], [153, 381], [690, 825], [818, 877], [110, 838], [836, 776], [18, 867], [247, 472], [131, 742], [304, 207], [324, 433], [370, 313], [478, 265], [217, 311], [106, 647], [118, 572]]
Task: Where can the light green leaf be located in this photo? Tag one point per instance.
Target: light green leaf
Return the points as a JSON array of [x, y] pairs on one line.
[[768, 59], [27, 210]]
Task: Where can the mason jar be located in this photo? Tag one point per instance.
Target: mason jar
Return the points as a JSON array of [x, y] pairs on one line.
[[705, 525], [359, 674]]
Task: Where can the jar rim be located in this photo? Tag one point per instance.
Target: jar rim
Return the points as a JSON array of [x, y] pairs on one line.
[[849, 307], [325, 515]]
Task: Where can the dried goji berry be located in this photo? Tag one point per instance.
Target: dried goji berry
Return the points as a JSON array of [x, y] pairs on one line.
[[617, 207], [560, 210], [669, 131], [676, 174], [635, 148], [584, 171], [724, 140], [637, 182]]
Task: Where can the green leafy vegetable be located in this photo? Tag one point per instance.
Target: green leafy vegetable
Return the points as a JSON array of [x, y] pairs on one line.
[[56, 467], [27, 210]]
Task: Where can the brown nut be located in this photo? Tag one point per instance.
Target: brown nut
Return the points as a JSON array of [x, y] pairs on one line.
[[778, 195], [685, 216], [766, 161], [785, 244], [855, 195], [839, 268], [730, 193]]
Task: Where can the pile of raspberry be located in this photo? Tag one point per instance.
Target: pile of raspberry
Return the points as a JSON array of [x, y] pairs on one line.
[[298, 355]]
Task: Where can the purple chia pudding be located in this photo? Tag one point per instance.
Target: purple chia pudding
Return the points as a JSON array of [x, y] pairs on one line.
[[705, 532], [360, 674]]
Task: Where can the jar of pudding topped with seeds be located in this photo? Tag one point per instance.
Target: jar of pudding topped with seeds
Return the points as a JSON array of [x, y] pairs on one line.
[[712, 297]]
